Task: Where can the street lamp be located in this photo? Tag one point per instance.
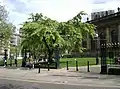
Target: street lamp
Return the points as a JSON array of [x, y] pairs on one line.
[[103, 51], [96, 43]]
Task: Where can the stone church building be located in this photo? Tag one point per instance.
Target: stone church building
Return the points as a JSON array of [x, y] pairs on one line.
[[108, 23]]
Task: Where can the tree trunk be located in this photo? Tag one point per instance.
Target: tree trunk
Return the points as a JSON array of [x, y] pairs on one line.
[[50, 52], [34, 55], [50, 57]]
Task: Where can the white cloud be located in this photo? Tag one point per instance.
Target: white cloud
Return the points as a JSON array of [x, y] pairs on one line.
[[18, 18], [112, 4], [60, 10], [1, 2]]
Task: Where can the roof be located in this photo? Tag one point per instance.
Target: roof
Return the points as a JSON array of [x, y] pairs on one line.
[[106, 19]]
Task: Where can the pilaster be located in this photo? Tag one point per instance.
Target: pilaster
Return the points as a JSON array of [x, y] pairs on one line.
[[119, 33], [107, 35]]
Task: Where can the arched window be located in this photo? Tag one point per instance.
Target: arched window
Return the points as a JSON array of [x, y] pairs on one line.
[[102, 37], [114, 36]]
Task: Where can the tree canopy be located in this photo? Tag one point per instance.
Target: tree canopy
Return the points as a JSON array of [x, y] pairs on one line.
[[3, 13], [6, 27], [44, 35]]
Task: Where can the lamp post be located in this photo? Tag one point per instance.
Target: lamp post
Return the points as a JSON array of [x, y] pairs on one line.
[[97, 56], [103, 53]]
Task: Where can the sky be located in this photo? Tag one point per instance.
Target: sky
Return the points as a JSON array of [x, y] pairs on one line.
[[60, 10]]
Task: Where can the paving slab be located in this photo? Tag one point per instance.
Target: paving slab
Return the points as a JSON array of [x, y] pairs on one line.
[[62, 76]]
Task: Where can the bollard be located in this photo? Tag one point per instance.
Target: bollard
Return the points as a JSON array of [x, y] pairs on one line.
[[39, 69], [48, 66], [16, 62], [88, 69], [76, 65], [67, 66], [56, 65]]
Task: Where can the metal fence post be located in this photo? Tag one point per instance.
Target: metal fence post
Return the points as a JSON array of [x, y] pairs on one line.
[[67, 65], [88, 68], [16, 62], [48, 66], [39, 69], [76, 65]]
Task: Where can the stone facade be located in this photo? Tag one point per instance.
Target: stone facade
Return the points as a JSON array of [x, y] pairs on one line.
[[110, 26]]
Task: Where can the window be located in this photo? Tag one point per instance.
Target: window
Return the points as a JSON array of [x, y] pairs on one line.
[[114, 36]]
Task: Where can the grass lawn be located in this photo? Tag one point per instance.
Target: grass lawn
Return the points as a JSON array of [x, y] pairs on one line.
[[71, 62], [81, 61], [13, 62]]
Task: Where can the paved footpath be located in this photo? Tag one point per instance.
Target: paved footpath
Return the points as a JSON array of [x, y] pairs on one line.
[[12, 84], [62, 76]]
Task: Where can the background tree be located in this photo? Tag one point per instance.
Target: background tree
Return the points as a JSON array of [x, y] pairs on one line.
[[40, 32], [74, 31], [5, 28], [3, 13], [43, 34]]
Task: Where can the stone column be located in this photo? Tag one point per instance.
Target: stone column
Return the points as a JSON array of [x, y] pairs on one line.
[[119, 33], [107, 35], [110, 35]]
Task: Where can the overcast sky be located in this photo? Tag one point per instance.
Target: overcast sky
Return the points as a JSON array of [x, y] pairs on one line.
[[60, 10]]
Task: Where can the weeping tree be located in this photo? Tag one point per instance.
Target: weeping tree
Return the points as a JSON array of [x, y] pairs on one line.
[[45, 34], [40, 32]]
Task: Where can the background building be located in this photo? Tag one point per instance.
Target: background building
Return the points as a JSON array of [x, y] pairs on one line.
[[12, 43], [108, 23]]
